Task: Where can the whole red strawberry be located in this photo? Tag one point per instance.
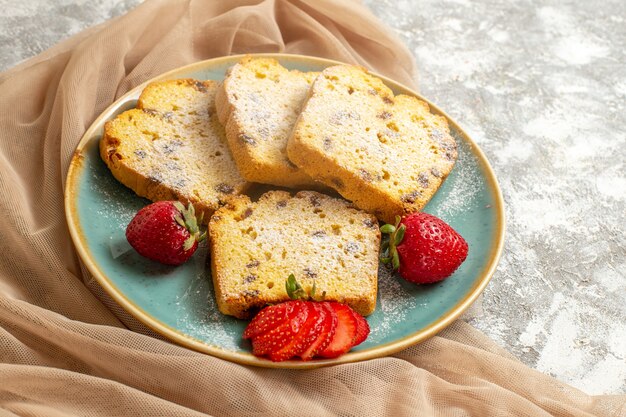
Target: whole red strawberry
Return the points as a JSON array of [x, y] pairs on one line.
[[423, 248], [165, 232]]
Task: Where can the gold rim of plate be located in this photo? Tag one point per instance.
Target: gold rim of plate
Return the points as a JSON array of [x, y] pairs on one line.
[[247, 358]]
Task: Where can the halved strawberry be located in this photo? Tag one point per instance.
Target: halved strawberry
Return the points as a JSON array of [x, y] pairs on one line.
[[362, 328], [271, 317], [327, 331], [307, 334], [345, 332], [279, 336]]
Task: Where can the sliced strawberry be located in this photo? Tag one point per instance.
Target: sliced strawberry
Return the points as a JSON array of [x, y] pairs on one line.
[[327, 331], [309, 332], [362, 328], [345, 333], [271, 317], [279, 336]]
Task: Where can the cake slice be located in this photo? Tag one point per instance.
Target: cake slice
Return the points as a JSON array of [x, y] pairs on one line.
[[387, 154], [258, 104], [172, 147], [322, 240]]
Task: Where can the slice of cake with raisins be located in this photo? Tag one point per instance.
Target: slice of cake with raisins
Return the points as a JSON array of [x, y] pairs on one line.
[[387, 154], [321, 240], [258, 104], [172, 147]]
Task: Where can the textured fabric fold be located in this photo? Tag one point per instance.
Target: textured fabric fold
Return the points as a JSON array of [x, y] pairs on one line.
[[67, 349]]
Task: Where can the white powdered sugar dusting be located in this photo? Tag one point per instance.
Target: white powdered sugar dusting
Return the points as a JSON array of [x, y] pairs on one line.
[[394, 302], [115, 208], [201, 317], [463, 183]]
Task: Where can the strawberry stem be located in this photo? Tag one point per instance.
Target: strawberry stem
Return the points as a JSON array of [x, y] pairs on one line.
[[396, 235]]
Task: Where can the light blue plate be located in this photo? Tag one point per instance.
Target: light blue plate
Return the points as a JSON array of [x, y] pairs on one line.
[[178, 302]]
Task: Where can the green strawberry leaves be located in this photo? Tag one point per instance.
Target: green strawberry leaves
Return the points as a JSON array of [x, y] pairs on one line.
[[396, 235], [187, 219], [296, 292], [294, 289]]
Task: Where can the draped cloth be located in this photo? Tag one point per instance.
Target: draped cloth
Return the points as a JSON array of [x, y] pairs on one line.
[[67, 350]]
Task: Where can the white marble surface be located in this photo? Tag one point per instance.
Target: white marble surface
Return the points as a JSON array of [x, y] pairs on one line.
[[541, 86]]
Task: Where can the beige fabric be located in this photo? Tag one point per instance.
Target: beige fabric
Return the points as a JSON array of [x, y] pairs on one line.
[[67, 352]]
